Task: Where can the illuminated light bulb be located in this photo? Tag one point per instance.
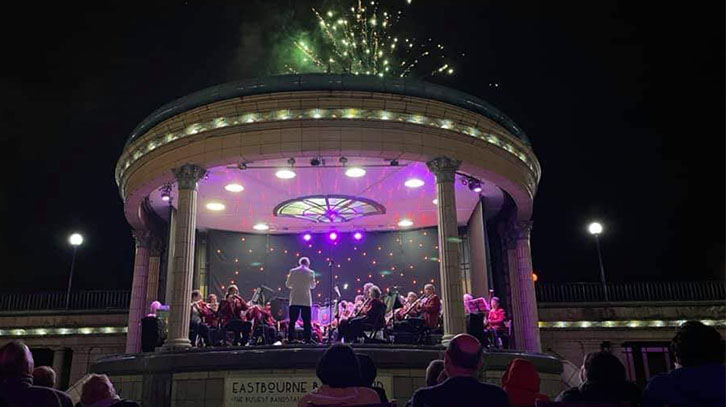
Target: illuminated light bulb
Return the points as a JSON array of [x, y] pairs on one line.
[[404, 223], [414, 183], [215, 206], [234, 188], [307, 237], [355, 172], [260, 226], [285, 174], [75, 239]]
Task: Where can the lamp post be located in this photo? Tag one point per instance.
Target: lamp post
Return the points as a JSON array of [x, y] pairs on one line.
[[595, 228], [75, 240]]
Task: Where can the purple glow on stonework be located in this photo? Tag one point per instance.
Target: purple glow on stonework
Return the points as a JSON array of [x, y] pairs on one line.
[[307, 237], [333, 236]]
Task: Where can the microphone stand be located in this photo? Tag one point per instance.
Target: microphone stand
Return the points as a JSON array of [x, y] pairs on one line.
[[330, 298]]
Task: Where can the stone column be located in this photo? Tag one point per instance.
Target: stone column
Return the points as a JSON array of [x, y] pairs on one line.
[[59, 360], [186, 221], [138, 290], [529, 329], [444, 169], [152, 285]]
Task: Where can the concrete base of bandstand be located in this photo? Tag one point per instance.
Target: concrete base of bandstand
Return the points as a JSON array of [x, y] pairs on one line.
[[278, 375]]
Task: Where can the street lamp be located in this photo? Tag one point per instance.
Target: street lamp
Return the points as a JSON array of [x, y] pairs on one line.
[[75, 240], [595, 228]]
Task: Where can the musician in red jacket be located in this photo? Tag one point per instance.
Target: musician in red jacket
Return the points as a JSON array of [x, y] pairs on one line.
[[430, 307], [232, 315], [495, 320]]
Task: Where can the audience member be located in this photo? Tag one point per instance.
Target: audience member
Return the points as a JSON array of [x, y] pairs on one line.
[[44, 376], [153, 329], [368, 373], [700, 375], [521, 383], [99, 392], [462, 360], [339, 372], [16, 380], [604, 382], [435, 373]]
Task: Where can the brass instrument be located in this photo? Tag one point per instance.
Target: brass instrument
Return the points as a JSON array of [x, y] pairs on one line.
[[359, 310]]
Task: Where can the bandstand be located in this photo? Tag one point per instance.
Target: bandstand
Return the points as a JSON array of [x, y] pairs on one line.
[[232, 183]]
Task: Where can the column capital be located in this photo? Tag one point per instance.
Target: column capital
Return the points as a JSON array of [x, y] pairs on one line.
[[187, 175], [142, 237], [444, 168]]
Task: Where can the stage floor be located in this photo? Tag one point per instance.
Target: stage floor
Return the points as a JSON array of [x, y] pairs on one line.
[[215, 376]]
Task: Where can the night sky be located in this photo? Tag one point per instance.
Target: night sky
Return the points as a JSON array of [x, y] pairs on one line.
[[624, 102]]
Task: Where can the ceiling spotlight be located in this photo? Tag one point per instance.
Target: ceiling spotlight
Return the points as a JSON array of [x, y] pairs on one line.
[[285, 174], [291, 161], [242, 166], [165, 197], [355, 172], [307, 237], [333, 236], [215, 206], [343, 160], [474, 185], [315, 162], [357, 235], [394, 163], [260, 226], [413, 183], [234, 187], [166, 192], [435, 201], [404, 223]]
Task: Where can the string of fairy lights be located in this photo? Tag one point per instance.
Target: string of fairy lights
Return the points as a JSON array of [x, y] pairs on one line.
[[360, 38], [408, 262]]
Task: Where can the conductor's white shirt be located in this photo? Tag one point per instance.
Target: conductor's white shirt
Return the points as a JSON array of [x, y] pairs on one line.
[[300, 281]]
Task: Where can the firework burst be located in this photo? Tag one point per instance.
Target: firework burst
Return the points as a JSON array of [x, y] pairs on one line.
[[360, 38]]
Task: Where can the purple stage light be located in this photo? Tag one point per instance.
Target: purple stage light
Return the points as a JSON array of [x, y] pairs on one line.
[[333, 236], [307, 237], [357, 235]]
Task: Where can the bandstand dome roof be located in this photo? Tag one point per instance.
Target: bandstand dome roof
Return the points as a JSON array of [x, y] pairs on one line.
[[331, 82]]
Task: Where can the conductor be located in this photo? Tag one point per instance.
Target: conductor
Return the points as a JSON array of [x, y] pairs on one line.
[[300, 281]]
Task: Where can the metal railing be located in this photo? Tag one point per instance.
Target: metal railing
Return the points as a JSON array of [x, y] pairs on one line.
[[626, 292], [56, 300]]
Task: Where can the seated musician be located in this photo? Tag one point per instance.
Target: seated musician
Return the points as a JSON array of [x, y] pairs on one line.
[[495, 320], [372, 313], [197, 328], [210, 319], [430, 307], [264, 326], [231, 316], [409, 309]]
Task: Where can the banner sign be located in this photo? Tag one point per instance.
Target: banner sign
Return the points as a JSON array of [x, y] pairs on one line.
[[277, 391]]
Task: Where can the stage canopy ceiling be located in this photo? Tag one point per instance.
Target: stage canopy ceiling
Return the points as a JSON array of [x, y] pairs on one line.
[[381, 193]]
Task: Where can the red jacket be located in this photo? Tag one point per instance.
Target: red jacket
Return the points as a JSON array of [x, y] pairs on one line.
[[521, 383], [233, 307], [496, 318], [430, 310]]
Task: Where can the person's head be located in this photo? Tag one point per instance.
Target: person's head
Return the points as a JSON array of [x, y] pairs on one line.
[[602, 367], [212, 298], [433, 371], [374, 292], [411, 297], [495, 302], [468, 297], [232, 290], [15, 360], [44, 376], [196, 295], [98, 387], [696, 344], [463, 356], [359, 298], [521, 373], [367, 289], [338, 367], [304, 261], [368, 371], [429, 290], [155, 306]]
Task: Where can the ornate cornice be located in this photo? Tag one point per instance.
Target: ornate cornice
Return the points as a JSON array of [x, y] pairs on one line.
[[187, 175], [444, 168]]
